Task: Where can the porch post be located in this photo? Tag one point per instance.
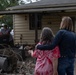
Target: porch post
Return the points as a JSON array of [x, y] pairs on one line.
[[36, 28], [73, 19]]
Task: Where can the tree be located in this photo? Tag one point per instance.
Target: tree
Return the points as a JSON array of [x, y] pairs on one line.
[[8, 3], [7, 19]]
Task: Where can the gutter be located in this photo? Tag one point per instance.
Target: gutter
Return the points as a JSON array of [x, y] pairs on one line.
[[39, 10]]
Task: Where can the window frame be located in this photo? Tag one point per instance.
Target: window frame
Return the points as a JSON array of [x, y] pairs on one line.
[[32, 21]]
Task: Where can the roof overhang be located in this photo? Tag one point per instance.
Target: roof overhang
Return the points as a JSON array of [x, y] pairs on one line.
[[44, 4], [54, 9]]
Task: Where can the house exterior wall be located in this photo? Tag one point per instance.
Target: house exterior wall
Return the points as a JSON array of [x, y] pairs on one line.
[[21, 26]]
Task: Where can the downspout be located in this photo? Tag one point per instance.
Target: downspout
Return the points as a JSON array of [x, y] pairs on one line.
[[73, 19], [36, 28]]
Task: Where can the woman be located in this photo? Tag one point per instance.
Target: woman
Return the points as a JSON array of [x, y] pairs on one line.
[[65, 39]]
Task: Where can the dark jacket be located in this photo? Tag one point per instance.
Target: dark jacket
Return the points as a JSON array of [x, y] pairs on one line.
[[65, 40]]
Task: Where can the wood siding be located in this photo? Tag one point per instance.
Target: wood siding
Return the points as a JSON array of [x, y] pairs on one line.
[[21, 26]]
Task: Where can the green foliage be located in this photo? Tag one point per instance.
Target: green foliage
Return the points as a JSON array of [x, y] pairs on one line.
[[7, 19], [9, 3]]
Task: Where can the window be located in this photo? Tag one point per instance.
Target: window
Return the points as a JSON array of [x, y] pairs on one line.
[[32, 21]]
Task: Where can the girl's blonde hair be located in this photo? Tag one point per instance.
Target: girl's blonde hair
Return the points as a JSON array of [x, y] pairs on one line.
[[66, 23], [46, 34]]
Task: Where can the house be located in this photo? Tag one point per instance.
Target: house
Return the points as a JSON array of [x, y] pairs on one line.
[[29, 19]]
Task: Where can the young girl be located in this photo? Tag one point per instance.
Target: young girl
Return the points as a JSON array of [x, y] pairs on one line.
[[47, 60]]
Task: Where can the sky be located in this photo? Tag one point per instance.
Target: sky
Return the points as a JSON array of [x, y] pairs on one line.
[[28, 1]]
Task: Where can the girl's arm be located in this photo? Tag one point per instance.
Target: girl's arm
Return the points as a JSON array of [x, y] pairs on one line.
[[56, 55], [55, 66], [34, 53], [30, 52]]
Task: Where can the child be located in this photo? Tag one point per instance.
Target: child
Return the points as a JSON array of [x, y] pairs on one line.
[[47, 60]]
